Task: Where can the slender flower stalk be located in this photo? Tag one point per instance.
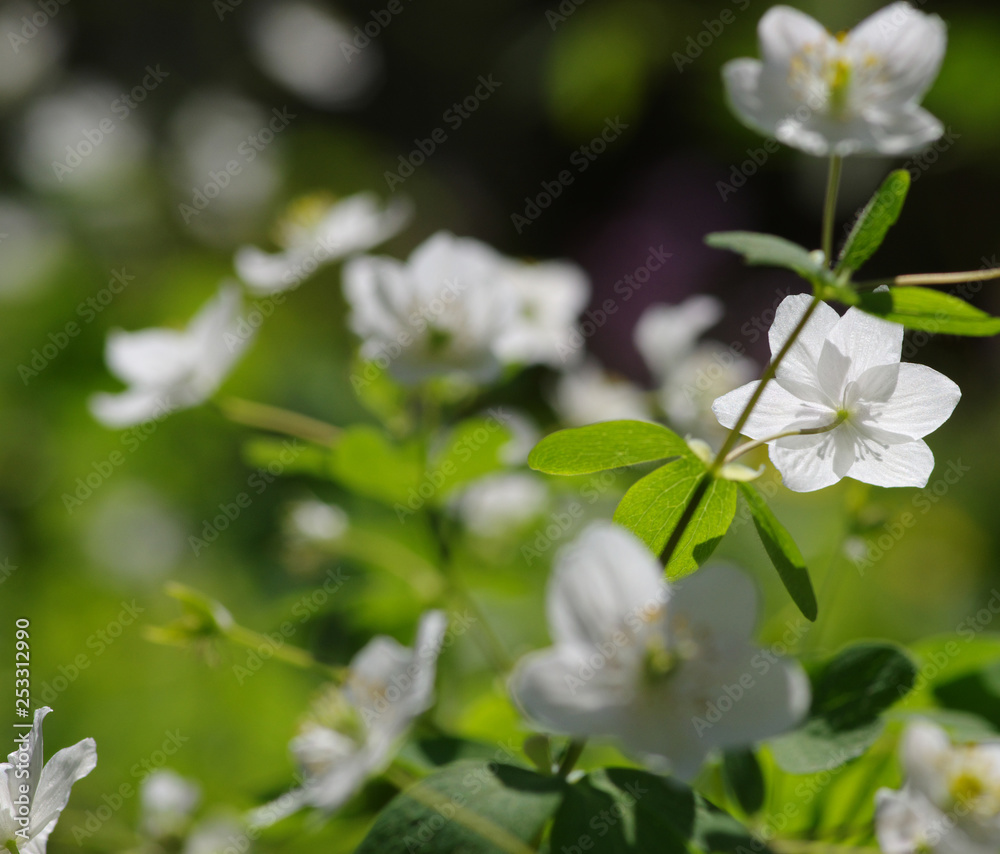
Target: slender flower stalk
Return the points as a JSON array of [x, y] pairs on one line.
[[830, 206]]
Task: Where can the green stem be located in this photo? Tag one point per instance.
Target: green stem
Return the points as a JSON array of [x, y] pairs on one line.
[[830, 207], [11, 846], [293, 655], [574, 751], [277, 420], [945, 278], [768, 375], [808, 431]]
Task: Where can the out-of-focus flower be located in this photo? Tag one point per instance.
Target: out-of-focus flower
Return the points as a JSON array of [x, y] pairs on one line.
[[318, 57], [29, 54], [31, 249], [27, 817], [498, 504], [316, 521], [691, 374], [841, 404], [850, 93], [550, 297], [590, 394], [166, 802], [73, 142], [169, 369], [352, 730], [950, 803], [217, 836], [642, 661], [319, 231]]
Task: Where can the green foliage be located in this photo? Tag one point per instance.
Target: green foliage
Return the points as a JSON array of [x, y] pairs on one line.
[[744, 779], [365, 461], [879, 215], [604, 446], [472, 807], [624, 810], [682, 508], [771, 251], [291, 456], [850, 693], [473, 450], [929, 310], [784, 554]]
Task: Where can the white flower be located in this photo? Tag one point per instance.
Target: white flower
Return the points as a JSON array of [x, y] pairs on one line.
[[440, 312], [33, 795], [498, 504], [667, 670], [168, 369], [843, 94], [315, 521], [550, 297], [217, 836], [691, 374], [951, 801], [842, 379], [354, 729], [590, 394], [167, 801], [666, 334], [317, 232]]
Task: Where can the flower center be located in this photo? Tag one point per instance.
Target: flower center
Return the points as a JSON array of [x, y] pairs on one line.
[[824, 76], [975, 791], [301, 218], [334, 711]]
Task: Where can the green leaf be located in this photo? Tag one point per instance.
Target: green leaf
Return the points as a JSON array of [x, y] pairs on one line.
[[770, 251], [849, 695], [286, 456], [608, 445], [365, 461], [471, 807], [930, 311], [628, 811], [439, 751], [474, 449], [683, 506], [784, 554], [744, 779], [879, 215]]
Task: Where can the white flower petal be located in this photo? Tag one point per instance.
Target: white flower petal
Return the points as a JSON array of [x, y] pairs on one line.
[[263, 272], [57, 778], [909, 45], [806, 463], [718, 600], [148, 357], [867, 340], [902, 132], [907, 464], [800, 364], [666, 334], [131, 407], [783, 31], [925, 750], [777, 411], [902, 819], [742, 78], [601, 583]]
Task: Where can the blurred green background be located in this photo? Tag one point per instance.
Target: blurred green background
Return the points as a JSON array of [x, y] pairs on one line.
[[565, 71]]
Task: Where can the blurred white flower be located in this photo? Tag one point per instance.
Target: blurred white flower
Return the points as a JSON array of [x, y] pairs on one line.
[[166, 803], [950, 803], [319, 231], [590, 394], [217, 836], [691, 374], [30, 805], [29, 54], [850, 93], [440, 312], [71, 141], [550, 297], [301, 46], [498, 504], [316, 521], [31, 249], [224, 163], [169, 369], [862, 413], [353, 730], [645, 662]]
